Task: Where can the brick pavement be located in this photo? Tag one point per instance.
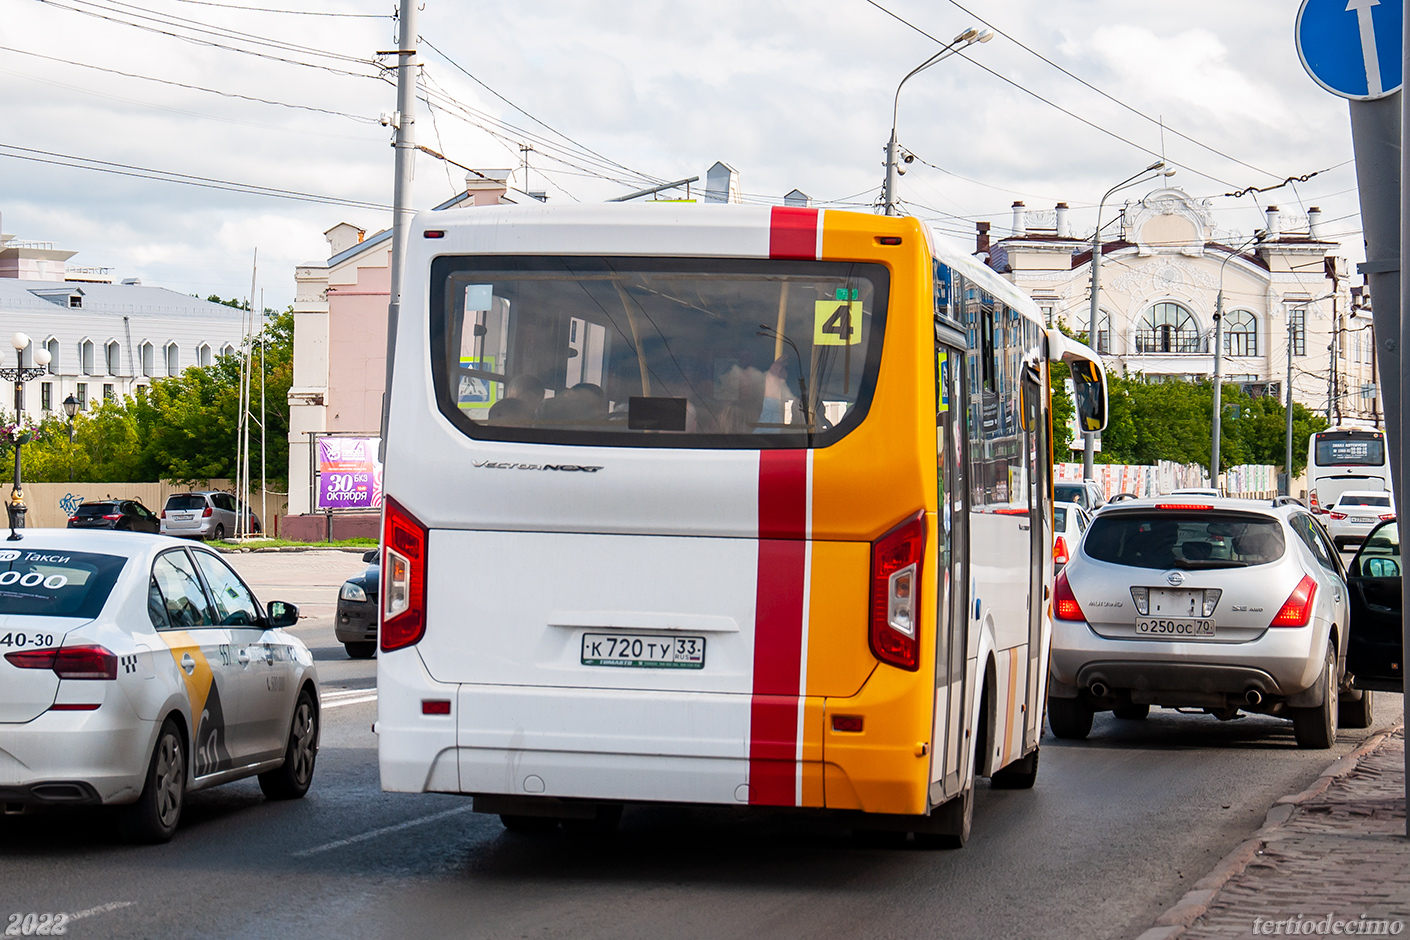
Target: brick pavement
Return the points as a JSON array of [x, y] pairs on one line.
[[1337, 849]]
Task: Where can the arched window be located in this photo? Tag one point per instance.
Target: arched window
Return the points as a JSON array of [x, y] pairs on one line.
[[227, 350], [1104, 334], [148, 355], [112, 353], [1168, 327], [203, 354], [1240, 334], [52, 344], [85, 356], [173, 359]]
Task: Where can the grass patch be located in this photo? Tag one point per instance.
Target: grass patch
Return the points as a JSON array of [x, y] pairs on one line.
[[229, 546]]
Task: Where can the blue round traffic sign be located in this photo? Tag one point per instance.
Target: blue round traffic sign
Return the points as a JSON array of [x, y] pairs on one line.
[[1352, 48]]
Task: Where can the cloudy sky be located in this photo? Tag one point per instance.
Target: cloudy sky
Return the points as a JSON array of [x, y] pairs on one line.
[[616, 96]]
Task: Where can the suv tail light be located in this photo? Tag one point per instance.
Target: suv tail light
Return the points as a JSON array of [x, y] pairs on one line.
[[1183, 506], [1060, 556], [1065, 606], [207, 513], [403, 577], [1297, 609], [70, 662], [162, 514], [895, 594]]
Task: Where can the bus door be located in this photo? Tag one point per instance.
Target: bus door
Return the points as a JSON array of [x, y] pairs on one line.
[[952, 574], [1035, 446]]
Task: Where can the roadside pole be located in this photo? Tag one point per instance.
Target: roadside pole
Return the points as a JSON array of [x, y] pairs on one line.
[[1404, 406], [405, 150]]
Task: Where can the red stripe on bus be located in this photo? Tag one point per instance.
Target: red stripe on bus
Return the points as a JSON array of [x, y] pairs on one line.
[[793, 233], [778, 627]]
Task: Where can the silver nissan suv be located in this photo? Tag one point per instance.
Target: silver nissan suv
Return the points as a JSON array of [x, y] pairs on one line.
[[1225, 605]]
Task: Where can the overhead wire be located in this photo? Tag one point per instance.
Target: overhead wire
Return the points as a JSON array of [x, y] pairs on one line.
[[232, 6]]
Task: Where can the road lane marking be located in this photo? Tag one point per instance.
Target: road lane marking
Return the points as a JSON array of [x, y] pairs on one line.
[[101, 909], [350, 701], [363, 837]]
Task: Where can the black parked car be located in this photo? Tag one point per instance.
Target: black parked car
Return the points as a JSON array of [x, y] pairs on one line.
[[126, 515], [356, 624], [1373, 651]]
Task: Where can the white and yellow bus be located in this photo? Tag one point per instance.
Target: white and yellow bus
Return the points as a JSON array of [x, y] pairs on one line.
[[715, 505]]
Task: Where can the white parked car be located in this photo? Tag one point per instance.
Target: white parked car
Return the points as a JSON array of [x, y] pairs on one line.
[[1355, 513], [1208, 491], [134, 668], [1227, 605], [1069, 522]]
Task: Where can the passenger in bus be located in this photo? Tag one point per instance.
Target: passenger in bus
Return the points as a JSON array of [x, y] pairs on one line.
[[585, 403], [514, 412], [527, 388], [778, 392]]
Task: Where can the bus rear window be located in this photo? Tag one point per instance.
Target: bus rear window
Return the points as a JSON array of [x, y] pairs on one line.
[[656, 351], [1350, 449]]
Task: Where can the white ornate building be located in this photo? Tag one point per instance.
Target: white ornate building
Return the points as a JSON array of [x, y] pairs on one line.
[[1159, 285]]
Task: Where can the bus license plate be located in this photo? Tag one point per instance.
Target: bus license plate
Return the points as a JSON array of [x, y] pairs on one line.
[[641, 651], [1160, 626]]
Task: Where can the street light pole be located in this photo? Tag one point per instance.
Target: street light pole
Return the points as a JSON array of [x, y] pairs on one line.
[[70, 409], [1089, 438], [969, 37], [16, 508], [1216, 424], [1287, 465]]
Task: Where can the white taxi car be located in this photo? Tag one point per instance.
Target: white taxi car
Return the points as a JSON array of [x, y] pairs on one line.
[[135, 668]]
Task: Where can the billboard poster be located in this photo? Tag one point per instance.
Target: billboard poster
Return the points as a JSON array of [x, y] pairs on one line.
[[349, 475]]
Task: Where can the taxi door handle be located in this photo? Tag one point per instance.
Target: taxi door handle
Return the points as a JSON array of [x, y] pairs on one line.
[[188, 663], [244, 657]]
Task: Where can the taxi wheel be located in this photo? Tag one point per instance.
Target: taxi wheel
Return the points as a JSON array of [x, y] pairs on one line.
[[292, 778], [1316, 728], [152, 819]]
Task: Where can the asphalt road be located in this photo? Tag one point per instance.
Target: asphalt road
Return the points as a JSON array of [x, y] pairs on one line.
[[1117, 828]]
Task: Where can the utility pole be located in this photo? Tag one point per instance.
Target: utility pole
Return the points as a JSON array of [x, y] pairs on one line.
[[1218, 382], [404, 170], [1287, 464]]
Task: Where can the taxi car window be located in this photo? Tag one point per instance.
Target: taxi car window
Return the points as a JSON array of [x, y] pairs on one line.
[[234, 605], [44, 583], [181, 592]]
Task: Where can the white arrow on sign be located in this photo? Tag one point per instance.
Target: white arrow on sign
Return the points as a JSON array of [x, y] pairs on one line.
[[1368, 43]]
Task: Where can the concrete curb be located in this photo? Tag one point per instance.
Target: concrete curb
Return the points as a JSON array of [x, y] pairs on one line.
[[1196, 902]]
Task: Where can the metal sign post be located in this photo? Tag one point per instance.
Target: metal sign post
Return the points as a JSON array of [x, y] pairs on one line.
[[1357, 49]]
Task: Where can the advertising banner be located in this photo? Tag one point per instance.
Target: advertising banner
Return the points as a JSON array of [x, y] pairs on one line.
[[349, 474]]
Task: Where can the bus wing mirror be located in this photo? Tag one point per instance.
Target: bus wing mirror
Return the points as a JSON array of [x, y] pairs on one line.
[[1088, 379]]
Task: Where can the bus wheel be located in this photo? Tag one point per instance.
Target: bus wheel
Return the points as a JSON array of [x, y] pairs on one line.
[[1020, 775], [1069, 718], [953, 822]]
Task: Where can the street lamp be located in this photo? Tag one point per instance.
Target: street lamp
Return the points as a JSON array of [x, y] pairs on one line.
[[70, 409], [963, 41], [19, 375], [1089, 438]]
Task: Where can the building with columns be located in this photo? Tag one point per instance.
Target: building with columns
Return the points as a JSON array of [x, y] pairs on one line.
[[1160, 282]]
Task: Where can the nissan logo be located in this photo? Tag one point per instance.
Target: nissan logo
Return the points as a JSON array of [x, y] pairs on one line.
[[1175, 578]]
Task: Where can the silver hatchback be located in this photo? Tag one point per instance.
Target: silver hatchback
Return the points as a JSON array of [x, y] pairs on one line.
[[204, 515], [1227, 605]]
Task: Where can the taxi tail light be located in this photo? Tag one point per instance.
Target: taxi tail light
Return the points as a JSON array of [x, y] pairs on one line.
[[1338, 515], [32, 659], [1060, 555], [1065, 606], [70, 662], [404, 577], [895, 594], [1297, 609]]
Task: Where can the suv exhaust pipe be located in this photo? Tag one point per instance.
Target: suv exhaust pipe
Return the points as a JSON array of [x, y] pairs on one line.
[[1098, 689], [1253, 697]]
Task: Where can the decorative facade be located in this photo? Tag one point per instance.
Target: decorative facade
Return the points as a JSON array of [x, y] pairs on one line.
[[1160, 282]]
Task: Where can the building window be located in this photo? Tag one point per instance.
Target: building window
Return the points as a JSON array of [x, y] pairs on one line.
[[46, 396], [1104, 334], [173, 359], [1168, 328], [149, 359], [203, 354], [85, 356], [53, 346], [108, 394], [113, 354], [82, 396], [75, 301], [1297, 320], [1240, 334]]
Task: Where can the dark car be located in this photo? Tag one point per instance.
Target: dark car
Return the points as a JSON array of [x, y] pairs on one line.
[[356, 624], [1374, 654], [126, 515]]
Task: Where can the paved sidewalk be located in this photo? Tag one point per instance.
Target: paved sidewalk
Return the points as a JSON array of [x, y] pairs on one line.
[[1331, 859]]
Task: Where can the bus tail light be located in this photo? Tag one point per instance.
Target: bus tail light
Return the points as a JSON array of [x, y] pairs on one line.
[[1065, 606], [403, 577], [1060, 556], [895, 594], [1297, 609]]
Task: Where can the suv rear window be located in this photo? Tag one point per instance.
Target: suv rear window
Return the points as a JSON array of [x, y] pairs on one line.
[[1184, 539], [39, 583], [674, 352], [97, 509], [185, 503]]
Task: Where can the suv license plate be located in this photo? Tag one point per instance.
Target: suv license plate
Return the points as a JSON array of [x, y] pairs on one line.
[[1174, 627], [643, 651]]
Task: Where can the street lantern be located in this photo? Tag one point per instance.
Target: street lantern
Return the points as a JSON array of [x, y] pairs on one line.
[[71, 409], [20, 433]]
